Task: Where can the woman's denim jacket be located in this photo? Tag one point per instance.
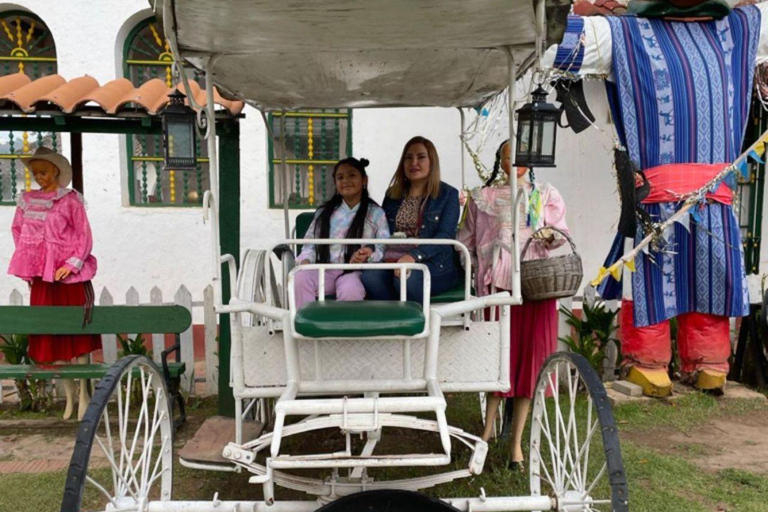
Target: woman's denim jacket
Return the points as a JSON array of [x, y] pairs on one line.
[[440, 220]]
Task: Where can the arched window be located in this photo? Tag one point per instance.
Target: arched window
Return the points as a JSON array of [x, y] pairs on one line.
[[146, 56], [26, 46]]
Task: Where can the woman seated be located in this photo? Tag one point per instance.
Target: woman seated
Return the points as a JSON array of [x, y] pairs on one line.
[[418, 205], [533, 325], [350, 213]]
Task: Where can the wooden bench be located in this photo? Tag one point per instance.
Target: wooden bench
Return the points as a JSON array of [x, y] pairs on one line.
[[106, 320]]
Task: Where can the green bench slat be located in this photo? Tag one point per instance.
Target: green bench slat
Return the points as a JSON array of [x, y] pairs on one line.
[[70, 371], [106, 320], [351, 319]]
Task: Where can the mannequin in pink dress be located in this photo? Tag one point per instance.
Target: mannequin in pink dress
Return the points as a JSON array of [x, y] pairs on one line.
[[533, 331]]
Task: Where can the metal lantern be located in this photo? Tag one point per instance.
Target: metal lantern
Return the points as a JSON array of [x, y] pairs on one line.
[[536, 131], [179, 134]]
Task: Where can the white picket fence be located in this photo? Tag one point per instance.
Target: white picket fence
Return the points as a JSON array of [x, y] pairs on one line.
[[182, 297]]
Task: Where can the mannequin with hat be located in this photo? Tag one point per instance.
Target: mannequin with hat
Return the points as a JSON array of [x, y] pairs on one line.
[[678, 76], [53, 254]]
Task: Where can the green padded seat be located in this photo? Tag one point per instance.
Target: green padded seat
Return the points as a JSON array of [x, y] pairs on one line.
[[455, 294], [351, 319]]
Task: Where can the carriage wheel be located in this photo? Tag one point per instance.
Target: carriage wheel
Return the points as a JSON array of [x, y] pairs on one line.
[[123, 452], [574, 453]]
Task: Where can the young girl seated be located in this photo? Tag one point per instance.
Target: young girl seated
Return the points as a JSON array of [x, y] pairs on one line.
[[350, 213]]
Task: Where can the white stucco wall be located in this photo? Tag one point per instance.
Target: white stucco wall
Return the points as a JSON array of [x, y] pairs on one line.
[[167, 247]]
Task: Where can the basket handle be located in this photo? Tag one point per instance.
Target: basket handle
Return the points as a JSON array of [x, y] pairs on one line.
[[565, 235]]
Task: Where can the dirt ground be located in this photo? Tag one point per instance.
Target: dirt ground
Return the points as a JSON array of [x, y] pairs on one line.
[[738, 443]]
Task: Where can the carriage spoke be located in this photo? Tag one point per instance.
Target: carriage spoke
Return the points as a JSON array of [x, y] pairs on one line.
[[596, 480], [544, 466], [101, 489], [111, 453], [554, 456]]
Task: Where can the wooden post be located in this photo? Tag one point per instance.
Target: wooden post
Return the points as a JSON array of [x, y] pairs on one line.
[[229, 233], [158, 340], [211, 364], [76, 159], [108, 341], [184, 298]]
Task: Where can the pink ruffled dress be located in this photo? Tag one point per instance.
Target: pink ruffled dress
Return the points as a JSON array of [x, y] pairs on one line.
[[533, 330], [50, 231]]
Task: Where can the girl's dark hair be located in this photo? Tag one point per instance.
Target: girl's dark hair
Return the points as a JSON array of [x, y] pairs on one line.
[[323, 224], [496, 166]]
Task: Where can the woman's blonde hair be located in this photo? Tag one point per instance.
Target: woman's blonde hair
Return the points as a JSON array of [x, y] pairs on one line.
[[399, 185]]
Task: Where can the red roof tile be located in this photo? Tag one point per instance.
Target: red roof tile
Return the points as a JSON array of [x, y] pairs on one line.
[[54, 93], [600, 7]]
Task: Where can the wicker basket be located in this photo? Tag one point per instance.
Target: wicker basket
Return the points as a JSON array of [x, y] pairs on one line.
[[551, 278]]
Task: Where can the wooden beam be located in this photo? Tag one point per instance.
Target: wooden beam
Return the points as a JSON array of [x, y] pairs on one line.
[[147, 125], [76, 159], [229, 235]]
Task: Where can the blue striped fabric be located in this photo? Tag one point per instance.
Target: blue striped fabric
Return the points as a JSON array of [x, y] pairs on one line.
[[684, 88], [682, 95], [570, 53]]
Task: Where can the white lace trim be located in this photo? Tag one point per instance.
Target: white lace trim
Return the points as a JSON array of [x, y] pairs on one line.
[[24, 202], [37, 215], [75, 262]]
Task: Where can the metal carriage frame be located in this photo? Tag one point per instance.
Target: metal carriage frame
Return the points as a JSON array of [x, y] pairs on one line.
[[137, 446]]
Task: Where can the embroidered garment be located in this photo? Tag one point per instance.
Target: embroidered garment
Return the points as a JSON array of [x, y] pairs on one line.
[[50, 231], [680, 94], [375, 227], [489, 218]]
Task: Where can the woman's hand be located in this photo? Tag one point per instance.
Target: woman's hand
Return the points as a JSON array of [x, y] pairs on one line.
[[361, 255], [304, 262], [404, 259], [544, 235], [61, 274]]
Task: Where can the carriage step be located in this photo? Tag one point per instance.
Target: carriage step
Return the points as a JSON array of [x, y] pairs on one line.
[[344, 460], [215, 433]]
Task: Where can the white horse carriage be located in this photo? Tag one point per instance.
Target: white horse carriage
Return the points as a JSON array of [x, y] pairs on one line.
[[354, 369]]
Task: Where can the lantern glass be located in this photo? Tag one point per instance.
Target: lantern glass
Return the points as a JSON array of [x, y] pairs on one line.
[[547, 148], [523, 137], [181, 139]]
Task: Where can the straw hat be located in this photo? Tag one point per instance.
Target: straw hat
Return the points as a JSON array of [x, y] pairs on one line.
[[49, 155]]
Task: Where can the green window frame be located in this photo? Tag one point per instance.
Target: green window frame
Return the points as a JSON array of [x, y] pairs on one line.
[[315, 140], [147, 56], [750, 192], [26, 46]]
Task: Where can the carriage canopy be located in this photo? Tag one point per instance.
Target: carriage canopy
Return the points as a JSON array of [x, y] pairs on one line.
[[349, 54]]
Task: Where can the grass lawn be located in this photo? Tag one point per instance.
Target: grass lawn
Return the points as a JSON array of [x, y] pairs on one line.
[[664, 475]]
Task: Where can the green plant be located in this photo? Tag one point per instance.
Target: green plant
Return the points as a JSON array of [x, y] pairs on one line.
[[32, 392], [133, 346], [594, 333], [130, 347]]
